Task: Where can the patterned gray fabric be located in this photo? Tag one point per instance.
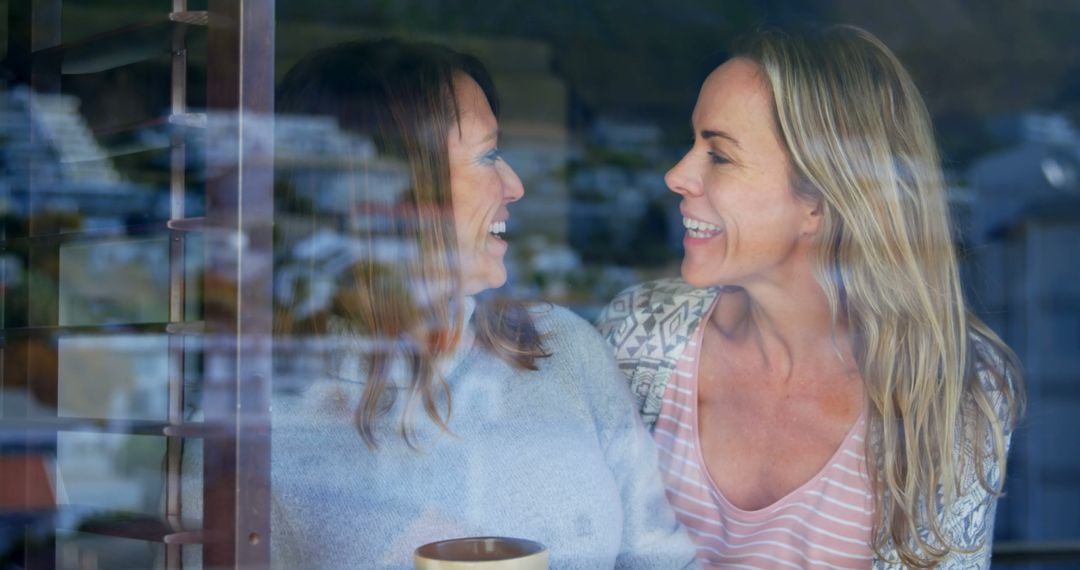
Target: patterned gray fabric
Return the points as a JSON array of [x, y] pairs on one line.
[[649, 326]]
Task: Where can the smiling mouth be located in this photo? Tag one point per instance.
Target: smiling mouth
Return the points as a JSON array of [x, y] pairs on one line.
[[700, 229], [496, 229]]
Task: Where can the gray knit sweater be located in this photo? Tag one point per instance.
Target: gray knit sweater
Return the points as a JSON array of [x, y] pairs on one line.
[[557, 455]]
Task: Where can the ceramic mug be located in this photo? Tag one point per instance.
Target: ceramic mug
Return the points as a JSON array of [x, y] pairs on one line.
[[482, 553]]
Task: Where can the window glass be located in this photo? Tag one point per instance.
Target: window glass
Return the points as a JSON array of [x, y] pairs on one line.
[[250, 293]]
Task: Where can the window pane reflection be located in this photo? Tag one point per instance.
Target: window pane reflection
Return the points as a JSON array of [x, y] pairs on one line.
[[112, 359]]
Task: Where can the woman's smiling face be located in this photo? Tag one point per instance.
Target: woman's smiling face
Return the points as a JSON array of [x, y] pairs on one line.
[[482, 184], [743, 222]]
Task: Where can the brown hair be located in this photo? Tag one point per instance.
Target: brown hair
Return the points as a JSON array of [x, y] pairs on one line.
[[400, 95]]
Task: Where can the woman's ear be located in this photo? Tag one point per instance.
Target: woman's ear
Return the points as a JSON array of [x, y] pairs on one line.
[[814, 218], [813, 204]]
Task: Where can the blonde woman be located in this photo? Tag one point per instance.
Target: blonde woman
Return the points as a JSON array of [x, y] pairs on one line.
[[820, 393]]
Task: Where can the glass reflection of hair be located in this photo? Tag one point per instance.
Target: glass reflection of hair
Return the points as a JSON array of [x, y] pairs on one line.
[[402, 95], [861, 143]]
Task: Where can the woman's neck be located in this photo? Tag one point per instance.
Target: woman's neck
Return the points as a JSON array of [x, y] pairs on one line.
[[790, 323]]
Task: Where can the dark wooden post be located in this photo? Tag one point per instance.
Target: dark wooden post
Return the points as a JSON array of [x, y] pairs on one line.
[[30, 364], [238, 283]]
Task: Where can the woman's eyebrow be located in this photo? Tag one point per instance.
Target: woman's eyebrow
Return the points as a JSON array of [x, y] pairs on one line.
[[491, 136], [712, 134]]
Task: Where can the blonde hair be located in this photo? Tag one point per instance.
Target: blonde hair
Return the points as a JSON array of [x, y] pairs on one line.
[[937, 379], [401, 96]]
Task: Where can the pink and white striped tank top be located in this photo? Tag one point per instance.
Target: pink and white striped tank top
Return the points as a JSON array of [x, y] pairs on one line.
[[825, 523]]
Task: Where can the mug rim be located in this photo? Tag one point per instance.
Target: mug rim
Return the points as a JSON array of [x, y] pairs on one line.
[[529, 547]]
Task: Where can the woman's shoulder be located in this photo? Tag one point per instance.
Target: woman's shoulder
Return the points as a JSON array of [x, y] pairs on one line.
[[997, 369], [578, 354], [562, 326], [656, 295], [992, 356], [663, 306]]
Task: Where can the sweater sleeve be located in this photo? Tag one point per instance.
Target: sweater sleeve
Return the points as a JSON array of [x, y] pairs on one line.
[[652, 538], [969, 523], [616, 325], [972, 516], [614, 316]]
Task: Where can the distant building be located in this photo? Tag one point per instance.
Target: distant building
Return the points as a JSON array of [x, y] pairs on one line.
[[1024, 231], [345, 175], [72, 172], [1043, 164], [622, 135]]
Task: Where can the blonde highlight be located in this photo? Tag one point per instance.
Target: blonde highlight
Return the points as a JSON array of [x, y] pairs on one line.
[[860, 142]]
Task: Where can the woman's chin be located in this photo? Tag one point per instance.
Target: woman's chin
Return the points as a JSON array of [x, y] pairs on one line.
[[697, 277], [492, 279]]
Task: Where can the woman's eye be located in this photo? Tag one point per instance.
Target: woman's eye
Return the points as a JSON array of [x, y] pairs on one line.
[[718, 158], [493, 156]]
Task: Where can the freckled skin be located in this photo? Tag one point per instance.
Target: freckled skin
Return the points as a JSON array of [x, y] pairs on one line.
[[774, 399], [748, 194]]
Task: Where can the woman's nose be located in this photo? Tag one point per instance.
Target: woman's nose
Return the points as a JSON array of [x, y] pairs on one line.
[[679, 180], [513, 189]]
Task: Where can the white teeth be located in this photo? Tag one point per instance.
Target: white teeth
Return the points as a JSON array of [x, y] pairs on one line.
[[497, 228], [698, 228]]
